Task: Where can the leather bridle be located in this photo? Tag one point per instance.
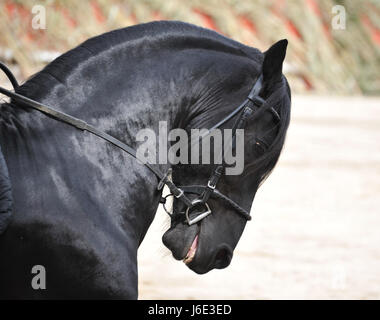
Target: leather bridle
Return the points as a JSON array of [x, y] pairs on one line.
[[204, 193]]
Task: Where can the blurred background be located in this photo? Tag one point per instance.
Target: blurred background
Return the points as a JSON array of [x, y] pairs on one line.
[[320, 58], [315, 231]]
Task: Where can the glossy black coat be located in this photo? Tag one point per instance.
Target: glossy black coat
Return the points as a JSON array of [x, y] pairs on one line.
[[81, 207]]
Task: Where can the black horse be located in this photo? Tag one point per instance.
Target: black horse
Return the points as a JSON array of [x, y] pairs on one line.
[[81, 207]]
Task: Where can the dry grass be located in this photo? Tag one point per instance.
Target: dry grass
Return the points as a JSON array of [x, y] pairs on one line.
[[320, 59]]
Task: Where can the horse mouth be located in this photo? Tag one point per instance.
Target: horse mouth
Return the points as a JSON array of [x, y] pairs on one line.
[[192, 250]]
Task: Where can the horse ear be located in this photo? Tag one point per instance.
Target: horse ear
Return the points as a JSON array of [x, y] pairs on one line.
[[273, 60]]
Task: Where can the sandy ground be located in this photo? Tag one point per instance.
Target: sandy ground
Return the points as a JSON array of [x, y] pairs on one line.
[[316, 227]]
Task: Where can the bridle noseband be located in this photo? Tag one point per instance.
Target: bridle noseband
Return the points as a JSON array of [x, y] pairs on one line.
[[204, 193]]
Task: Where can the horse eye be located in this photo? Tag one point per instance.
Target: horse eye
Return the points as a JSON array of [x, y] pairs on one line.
[[260, 147]]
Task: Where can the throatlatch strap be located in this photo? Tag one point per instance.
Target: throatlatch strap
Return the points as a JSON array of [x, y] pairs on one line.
[[239, 123]]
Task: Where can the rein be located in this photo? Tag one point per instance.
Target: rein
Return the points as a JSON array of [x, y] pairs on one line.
[[245, 110]]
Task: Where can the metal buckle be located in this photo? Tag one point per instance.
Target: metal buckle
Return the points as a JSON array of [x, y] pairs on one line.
[[211, 186], [200, 216], [180, 193]]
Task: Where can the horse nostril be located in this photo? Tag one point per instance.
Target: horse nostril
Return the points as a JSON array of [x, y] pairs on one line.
[[223, 258]]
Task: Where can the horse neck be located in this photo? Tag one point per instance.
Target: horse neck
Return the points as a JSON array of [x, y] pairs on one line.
[[121, 92], [27, 134]]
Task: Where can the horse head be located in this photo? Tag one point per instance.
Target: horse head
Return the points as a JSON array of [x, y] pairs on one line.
[[210, 243]]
